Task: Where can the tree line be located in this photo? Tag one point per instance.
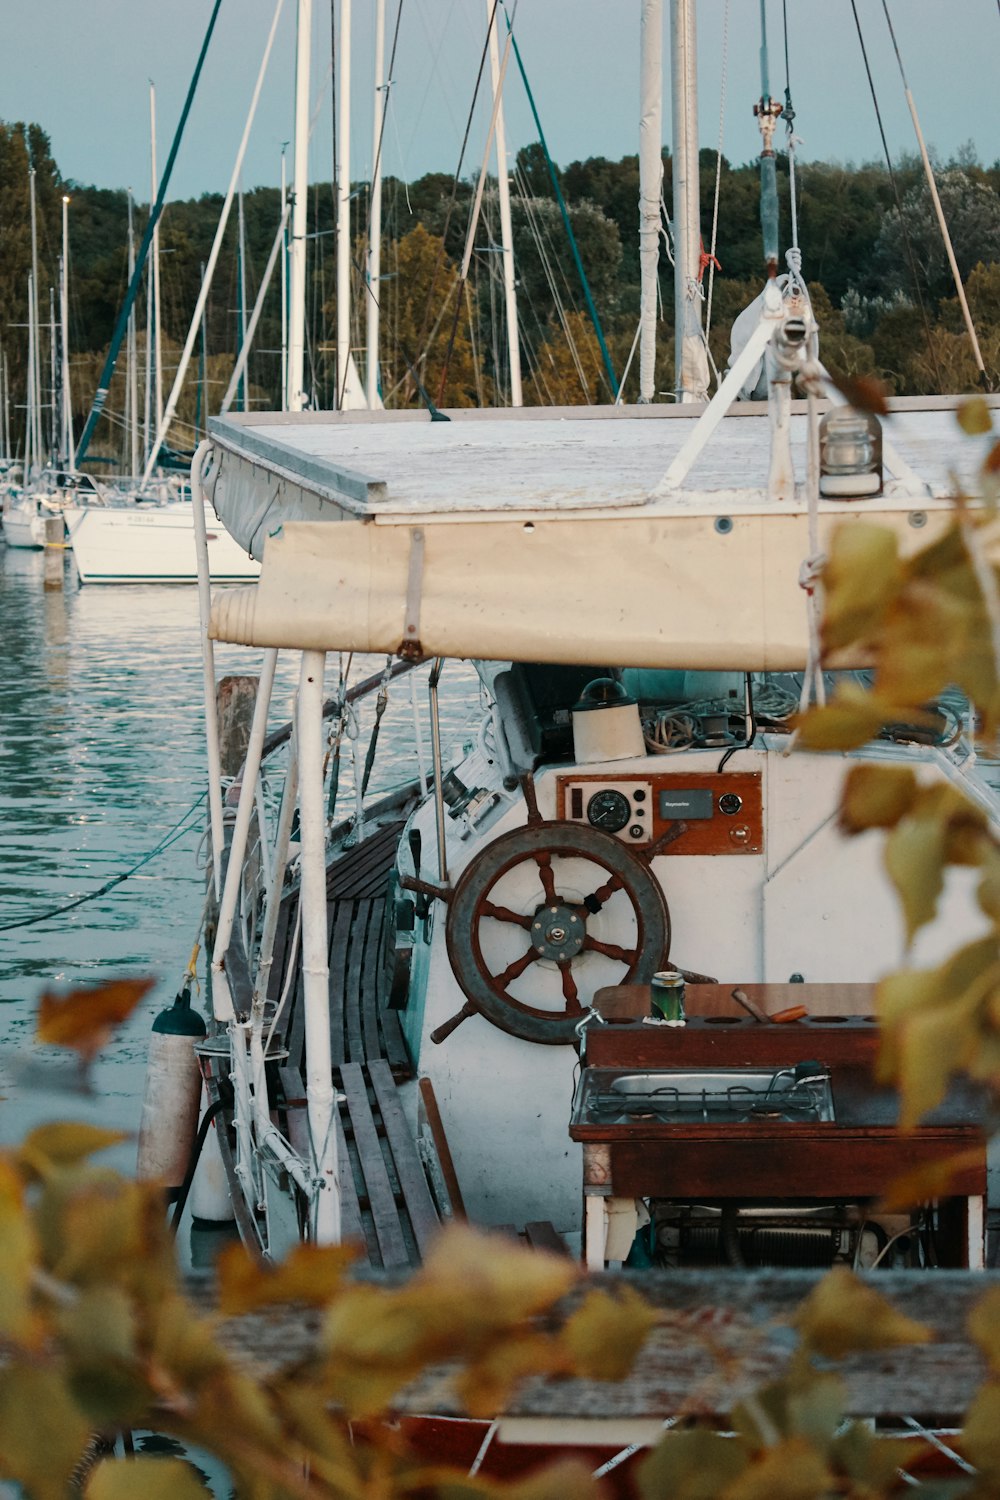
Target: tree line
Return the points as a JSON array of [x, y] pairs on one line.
[[870, 248]]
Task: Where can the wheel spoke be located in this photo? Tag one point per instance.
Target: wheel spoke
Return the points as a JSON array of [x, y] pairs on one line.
[[594, 902], [548, 879], [569, 987], [517, 967], [504, 914], [610, 950]]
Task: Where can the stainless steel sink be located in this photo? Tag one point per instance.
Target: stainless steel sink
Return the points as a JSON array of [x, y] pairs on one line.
[[800, 1094]]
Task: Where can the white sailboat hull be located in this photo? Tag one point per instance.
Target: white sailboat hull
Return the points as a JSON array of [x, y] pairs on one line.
[[132, 544], [23, 524]]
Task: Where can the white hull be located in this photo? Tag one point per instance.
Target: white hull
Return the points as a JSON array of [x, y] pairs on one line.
[[23, 524], [155, 544]]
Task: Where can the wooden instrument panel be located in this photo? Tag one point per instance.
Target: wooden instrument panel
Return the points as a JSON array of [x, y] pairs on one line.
[[723, 811]]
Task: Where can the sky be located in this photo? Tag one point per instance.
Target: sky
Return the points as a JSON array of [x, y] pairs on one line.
[[80, 68]]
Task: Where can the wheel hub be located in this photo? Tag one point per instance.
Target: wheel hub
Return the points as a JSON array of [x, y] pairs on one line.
[[557, 932]]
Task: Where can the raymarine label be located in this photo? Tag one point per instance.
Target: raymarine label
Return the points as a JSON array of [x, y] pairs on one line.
[[677, 804]]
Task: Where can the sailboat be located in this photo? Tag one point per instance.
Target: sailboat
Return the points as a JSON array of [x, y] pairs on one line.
[[461, 997]]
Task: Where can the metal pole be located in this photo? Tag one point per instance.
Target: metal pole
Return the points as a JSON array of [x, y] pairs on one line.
[[208, 664], [506, 232], [241, 240], [241, 829], [295, 393], [54, 418], [344, 203], [284, 286], [67, 404], [29, 435], [157, 329], [315, 970], [133, 354], [185, 359], [691, 365], [37, 358], [650, 188], [438, 769], [375, 224]]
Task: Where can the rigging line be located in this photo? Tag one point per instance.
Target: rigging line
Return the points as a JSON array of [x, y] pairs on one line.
[[376, 164], [585, 284], [911, 259], [454, 187], [180, 828], [939, 211]]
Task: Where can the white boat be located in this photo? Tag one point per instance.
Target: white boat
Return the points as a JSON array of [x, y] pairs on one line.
[[135, 542], [24, 520], [440, 999]]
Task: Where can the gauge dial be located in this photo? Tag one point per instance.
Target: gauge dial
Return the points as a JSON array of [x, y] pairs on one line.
[[609, 810]]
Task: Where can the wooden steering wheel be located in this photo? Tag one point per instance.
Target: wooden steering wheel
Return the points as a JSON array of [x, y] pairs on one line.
[[557, 929]]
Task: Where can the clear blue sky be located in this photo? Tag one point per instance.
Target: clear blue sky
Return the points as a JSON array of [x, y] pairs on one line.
[[80, 68]]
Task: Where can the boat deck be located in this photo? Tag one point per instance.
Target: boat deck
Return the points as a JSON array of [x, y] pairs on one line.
[[363, 1027]]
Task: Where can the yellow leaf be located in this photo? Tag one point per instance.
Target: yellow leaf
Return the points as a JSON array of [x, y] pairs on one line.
[[42, 1431], [984, 1326], [974, 417], [605, 1333], [980, 1439], [988, 891], [933, 1045], [873, 1463], [99, 1328], [516, 1281], [694, 1465], [63, 1144], [861, 578], [930, 1180], [792, 1470], [487, 1382], [150, 1478], [18, 1256], [852, 719], [914, 858], [842, 1315], [86, 1019], [309, 1273], [876, 797]]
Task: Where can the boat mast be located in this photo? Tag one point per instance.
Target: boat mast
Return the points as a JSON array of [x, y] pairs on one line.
[[372, 308], [133, 360], [241, 255], [690, 363], [35, 407], [284, 287], [650, 188], [506, 233], [29, 425], [295, 394], [54, 420], [69, 456], [157, 347], [344, 205]]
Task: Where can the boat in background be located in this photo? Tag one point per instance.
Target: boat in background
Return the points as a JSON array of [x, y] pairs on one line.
[[151, 542]]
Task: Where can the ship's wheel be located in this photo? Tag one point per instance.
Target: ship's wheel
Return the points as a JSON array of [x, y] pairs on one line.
[[556, 929]]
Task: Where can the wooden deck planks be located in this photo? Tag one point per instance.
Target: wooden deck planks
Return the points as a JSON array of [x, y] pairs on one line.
[[409, 1168], [381, 1195]]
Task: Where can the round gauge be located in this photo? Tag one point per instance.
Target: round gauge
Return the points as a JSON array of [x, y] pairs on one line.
[[608, 810]]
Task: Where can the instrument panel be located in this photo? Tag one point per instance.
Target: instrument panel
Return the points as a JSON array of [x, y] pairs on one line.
[[724, 812]]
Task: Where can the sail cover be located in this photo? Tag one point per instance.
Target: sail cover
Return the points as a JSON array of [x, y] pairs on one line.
[[551, 547]]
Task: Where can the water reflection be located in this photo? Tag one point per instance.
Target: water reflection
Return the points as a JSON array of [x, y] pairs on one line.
[[101, 753]]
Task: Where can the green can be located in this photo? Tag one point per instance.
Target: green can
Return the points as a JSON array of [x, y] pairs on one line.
[[668, 995]]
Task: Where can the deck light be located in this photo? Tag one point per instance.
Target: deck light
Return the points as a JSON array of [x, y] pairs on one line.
[[850, 454]]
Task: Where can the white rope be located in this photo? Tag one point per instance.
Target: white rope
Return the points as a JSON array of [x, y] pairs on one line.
[[810, 573], [353, 730], [628, 365]]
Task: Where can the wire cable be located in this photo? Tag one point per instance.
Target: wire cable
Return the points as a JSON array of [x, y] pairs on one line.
[[899, 203], [180, 828]]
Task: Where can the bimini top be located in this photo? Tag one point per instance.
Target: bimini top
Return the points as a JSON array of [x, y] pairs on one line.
[[545, 535]]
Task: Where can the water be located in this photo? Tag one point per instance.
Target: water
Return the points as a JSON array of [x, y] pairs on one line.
[[101, 756]]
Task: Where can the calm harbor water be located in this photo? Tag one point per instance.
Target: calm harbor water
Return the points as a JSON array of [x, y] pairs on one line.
[[101, 756]]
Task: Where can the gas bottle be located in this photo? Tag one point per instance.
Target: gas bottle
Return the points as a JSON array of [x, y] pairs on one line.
[[173, 1092]]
